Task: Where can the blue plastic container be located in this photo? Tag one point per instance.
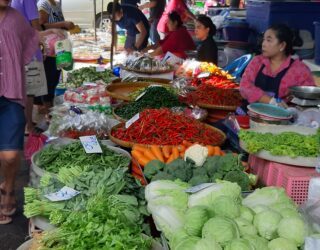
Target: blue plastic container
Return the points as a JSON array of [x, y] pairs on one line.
[[317, 43], [59, 91], [297, 15]]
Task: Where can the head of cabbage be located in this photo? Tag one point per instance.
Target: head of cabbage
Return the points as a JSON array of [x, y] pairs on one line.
[[220, 229], [226, 206], [282, 243], [258, 242], [293, 229], [205, 244], [267, 223], [187, 243], [239, 244], [195, 218], [245, 227]]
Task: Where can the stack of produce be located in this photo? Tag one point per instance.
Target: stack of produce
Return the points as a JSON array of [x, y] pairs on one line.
[[207, 95], [153, 98], [145, 63], [217, 218], [216, 81], [89, 74], [108, 213], [283, 144], [164, 127], [52, 158]]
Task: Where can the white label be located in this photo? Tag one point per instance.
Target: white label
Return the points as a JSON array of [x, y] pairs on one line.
[[204, 75], [91, 84], [100, 69], [63, 194], [198, 188], [155, 85], [132, 120], [90, 144]]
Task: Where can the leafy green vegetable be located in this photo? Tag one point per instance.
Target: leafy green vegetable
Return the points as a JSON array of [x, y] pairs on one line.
[[195, 219], [199, 179], [226, 206], [267, 224], [258, 242], [293, 229], [177, 237], [152, 168], [205, 244], [246, 213], [239, 244], [281, 243], [188, 243], [245, 227], [284, 144], [240, 178]]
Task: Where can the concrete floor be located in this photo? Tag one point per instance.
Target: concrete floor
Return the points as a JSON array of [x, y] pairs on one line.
[[15, 233]]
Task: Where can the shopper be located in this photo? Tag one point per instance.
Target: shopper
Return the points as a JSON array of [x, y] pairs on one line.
[[156, 11], [134, 22], [177, 41], [174, 5], [36, 83], [19, 41], [207, 51], [50, 16], [269, 76]]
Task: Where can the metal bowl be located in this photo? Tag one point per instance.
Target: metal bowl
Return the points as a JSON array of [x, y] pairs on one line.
[[305, 92]]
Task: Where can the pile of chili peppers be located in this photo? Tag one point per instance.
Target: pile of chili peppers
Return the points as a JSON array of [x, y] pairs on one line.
[[207, 94], [75, 134], [164, 127], [216, 81]]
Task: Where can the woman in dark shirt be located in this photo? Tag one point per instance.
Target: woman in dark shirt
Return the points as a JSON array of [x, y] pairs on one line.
[[205, 30]]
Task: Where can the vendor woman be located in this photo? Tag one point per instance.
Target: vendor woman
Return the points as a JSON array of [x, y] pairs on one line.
[[269, 76], [177, 41], [207, 51]]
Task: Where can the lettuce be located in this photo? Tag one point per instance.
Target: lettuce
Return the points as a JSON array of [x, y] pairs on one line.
[[245, 227], [246, 213], [226, 206], [205, 244], [187, 243], [293, 229], [282, 244], [239, 244], [258, 242], [267, 223], [195, 219]]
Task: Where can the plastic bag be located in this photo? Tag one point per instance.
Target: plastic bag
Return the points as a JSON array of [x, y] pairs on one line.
[[63, 52], [308, 118], [34, 143], [49, 44]]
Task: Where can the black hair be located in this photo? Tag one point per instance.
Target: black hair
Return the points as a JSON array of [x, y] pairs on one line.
[[117, 7], [175, 17], [285, 34], [207, 22]]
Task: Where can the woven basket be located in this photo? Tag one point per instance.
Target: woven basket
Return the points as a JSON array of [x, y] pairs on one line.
[[144, 80], [148, 72]]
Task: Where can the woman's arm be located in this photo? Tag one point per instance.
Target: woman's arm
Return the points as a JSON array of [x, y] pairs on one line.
[[44, 18], [143, 33], [157, 52]]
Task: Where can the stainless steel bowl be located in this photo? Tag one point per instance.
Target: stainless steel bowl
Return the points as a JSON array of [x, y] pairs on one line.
[[305, 92]]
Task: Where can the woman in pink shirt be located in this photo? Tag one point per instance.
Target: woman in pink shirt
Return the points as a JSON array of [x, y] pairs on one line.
[[269, 76], [18, 44]]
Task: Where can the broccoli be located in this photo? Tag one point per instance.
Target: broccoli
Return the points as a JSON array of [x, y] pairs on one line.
[[163, 176], [217, 176], [152, 168], [212, 165], [199, 171], [240, 178], [229, 162], [199, 179], [179, 169]]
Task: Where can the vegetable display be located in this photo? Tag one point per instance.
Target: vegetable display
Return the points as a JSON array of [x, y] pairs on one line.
[[284, 144], [52, 158], [216, 81], [218, 217], [153, 98], [208, 95], [164, 127], [89, 74]]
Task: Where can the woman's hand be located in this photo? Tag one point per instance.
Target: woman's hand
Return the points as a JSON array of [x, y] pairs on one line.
[[69, 25]]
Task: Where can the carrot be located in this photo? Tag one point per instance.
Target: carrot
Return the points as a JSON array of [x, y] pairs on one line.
[[148, 153], [175, 152], [138, 147], [136, 154], [157, 152], [211, 150], [166, 150], [140, 178], [143, 160], [181, 148], [171, 158], [222, 153], [186, 143], [136, 169]]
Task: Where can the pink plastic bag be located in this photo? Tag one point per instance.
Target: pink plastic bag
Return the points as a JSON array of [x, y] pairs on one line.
[[34, 143]]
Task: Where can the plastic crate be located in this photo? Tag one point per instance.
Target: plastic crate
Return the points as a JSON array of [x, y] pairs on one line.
[[264, 169], [297, 15]]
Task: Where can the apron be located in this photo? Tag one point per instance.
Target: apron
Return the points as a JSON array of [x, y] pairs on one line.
[[268, 84]]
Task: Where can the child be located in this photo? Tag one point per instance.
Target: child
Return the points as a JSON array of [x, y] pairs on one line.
[[18, 44]]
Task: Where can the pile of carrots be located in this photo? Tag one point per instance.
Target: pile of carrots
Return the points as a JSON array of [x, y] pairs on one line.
[[143, 154]]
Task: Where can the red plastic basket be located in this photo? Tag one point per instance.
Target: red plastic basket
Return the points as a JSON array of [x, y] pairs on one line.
[[295, 180]]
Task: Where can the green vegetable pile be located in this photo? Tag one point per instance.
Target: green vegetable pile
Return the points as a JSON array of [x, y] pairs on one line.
[[154, 98], [89, 74], [227, 167], [284, 144], [52, 158], [108, 213], [217, 217]]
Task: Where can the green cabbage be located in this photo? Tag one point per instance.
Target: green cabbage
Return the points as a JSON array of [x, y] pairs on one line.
[[259, 208], [163, 188], [207, 196], [175, 199], [239, 244], [289, 212], [245, 227], [195, 219], [258, 242], [187, 243], [267, 224], [293, 229], [267, 196], [281, 244], [177, 237], [220, 229], [246, 213], [168, 220], [206, 244], [226, 206]]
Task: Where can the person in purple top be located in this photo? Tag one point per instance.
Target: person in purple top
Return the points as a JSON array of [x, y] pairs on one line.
[[36, 82], [18, 44]]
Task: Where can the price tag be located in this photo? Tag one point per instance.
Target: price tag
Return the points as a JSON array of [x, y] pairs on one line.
[[100, 69], [198, 188], [204, 75], [132, 120], [90, 84], [63, 194], [90, 144]]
